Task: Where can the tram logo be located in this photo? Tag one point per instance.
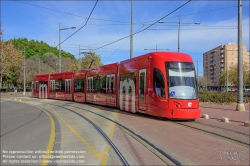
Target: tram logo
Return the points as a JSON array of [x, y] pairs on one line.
[[189, 104], [127, 89], [59, 95]]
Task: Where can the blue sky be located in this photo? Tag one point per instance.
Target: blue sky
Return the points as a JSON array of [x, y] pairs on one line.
[[110, 20]]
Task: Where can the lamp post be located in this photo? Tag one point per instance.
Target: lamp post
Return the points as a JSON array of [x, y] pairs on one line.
[[240, 104], [60, 44], [179, 23], [131, 31], [24, 74]]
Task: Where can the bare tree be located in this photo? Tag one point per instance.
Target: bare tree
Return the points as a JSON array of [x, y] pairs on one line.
[[10, 58]]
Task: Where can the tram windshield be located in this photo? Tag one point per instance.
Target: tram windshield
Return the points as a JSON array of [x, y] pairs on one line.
[[181, 80]]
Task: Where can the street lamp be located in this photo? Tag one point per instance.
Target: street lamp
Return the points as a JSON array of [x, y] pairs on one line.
[[179, 23], [24, 73], [60, 44]]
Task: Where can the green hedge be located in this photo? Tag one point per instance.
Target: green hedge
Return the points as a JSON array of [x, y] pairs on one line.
[[216, 97]]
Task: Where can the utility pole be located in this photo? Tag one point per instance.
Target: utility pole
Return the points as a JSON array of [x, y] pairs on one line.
[[39, 67], [59, 65], [206, 77], [179, 35], [60, 60], [79, 64], [131, 31], [24, 74], [179, 25], [197, 69], [240, 104], [226, 72]]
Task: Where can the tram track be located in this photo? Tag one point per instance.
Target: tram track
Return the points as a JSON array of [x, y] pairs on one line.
[[109, 141], [225, 129], [122, 159], [217, 134], [151, 147], [163, 156]]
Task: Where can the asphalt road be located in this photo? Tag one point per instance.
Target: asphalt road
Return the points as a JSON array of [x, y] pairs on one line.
[[25, 129]]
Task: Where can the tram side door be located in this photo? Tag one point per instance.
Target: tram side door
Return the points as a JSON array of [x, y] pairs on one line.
[[90, 89], [142, 90], [43, 89], [68, 89], [110, 86]]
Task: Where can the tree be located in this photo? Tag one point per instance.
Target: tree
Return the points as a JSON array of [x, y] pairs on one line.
[[90, 60], [233, 75], [202, 82], [11, 59], [35, 47], [223, 78]]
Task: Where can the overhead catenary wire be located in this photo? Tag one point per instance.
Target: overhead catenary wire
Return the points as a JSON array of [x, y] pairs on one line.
[[116, 20], [144, 28], [142, 23], [149, 29], [118, 48], [206, 11], [193, 29], [69, 13], [80, 27]]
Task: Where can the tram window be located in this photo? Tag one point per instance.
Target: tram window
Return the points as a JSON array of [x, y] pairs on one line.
[[60, 85], [112, 84], [103, 84], [89, 85], [159, 84], [37, 86], [51, 86], [97, 84], [142, 85], [78, 85], [67, 85]]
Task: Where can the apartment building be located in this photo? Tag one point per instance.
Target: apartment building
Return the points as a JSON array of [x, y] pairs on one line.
[[221, 59]]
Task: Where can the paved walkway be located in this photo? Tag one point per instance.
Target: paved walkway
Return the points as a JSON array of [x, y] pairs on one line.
[[229, 111], [191, 147], [216, 112]]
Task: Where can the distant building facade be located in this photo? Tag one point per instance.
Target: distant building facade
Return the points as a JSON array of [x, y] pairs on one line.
[[221, 59]]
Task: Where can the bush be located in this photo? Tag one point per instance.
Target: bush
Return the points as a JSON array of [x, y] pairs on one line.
[[216, 97]]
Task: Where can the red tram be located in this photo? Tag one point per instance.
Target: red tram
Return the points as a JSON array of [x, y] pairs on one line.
[[160, 84]]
